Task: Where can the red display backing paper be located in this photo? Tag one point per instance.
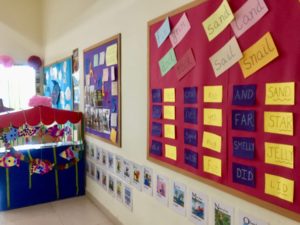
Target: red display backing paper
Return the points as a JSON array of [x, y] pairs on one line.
[[282, 21]]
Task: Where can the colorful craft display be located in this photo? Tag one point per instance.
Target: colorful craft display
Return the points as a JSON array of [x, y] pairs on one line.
[[223, 87]]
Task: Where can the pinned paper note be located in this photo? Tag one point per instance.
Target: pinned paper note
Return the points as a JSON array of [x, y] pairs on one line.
[[180, 30], [185, 64], [244, 95], [226, 57], [243, 147], [96, 60], [105, 75], [167, 62], [156, 111], [213, 94], [279, 123], [191, 158], [163, 32], [156, 129], [218, 21], [212, 141], [171, 152], [190, 137], [112, 72], [244, 120], [114, 88], [249, 14], [169, 131], [156, 148], [245, 175], [258, 55], [111, 55], [279, 154], [156, 95], [169, 112], [113, 135], [101, 58], [114, 119], [280, 93], [191, 115], [279, 187], [169, 94], [212, 165], [190, 95], [212, 117]]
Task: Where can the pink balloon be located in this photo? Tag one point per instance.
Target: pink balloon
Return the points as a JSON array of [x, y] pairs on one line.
[[6, 60]]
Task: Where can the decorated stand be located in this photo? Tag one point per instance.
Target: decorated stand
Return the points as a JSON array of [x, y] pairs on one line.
[[41, 156]]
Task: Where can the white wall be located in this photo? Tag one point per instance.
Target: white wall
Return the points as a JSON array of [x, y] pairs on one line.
[[71, 24], [21, 29]]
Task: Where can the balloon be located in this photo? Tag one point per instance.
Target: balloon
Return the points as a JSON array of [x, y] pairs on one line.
[[6, 60], [35, 62]]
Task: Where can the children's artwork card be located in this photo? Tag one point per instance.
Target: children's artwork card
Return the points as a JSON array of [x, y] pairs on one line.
[[104, 179], [148, 180], [104, 158], [223, 214], [98, 154], [198, 208], [127, 171], [88, 168], [93, 170], [98, 175], [161, 191], [128, 197], [137, 176], [111, 162], [119, 166], [119, 190], [111, 185], [179, 196]]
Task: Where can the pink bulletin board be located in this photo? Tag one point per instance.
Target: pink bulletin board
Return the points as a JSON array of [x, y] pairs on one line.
[[242, 164]]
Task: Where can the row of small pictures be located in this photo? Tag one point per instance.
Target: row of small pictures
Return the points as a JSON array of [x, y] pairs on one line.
[[122, 172], [115, 186]]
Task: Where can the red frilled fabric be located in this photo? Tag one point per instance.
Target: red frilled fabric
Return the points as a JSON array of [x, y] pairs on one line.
[[39, 114]]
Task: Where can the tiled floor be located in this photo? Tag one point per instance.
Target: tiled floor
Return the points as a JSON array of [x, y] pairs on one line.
[[74, 211]]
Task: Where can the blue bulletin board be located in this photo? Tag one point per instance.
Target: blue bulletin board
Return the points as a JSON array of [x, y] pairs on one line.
[[58, 84]]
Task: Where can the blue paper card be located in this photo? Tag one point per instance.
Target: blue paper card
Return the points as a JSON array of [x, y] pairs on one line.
[[243, 147], [190, 137], [156, 95], [163, 32], [156, 111], [191, 158], [156, 148], [156, 129], [243, 120], [191, 115], [244, 95], [244, 174], [190, 95]]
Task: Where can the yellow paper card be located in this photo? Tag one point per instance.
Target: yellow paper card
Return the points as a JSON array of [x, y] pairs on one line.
[[280, 93], [212, 165], [169, 112], [171, 152], [218, 21], [169, 95], [279, 154], [213, 93], [212, 117], [258, 55], [111, 55], [212, 141], [279, 187], [113, 135], [169, 131], [279, 123]]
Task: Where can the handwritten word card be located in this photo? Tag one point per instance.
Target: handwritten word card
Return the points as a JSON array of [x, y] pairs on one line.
[[279, 123], [171, 152], [213, 94], [180, 30], [212, 141], [218, 21], [169, 94], [167, 62], [185, 64], [212, 117], [111, 55], [169, 112], [280, 93], [279, 154], [163, 32], [212, 165]]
